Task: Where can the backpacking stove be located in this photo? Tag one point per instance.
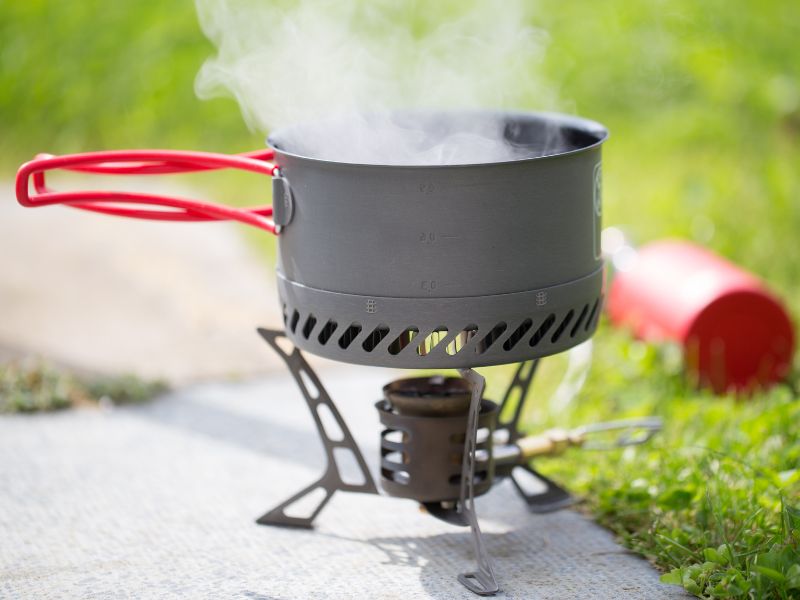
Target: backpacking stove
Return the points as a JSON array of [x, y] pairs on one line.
[[418, 267]]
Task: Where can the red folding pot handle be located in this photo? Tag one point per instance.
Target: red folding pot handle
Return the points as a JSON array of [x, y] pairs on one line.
[[148, 162], [736, 334]]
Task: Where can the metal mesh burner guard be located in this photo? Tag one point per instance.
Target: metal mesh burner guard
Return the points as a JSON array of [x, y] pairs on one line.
[[445, 266]]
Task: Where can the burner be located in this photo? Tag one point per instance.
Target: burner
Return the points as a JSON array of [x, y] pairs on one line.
[[422, 445]]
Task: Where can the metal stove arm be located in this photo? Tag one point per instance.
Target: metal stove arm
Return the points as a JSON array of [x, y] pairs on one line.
[[553, 497], [331, 481], [517, 391], [482, 581]]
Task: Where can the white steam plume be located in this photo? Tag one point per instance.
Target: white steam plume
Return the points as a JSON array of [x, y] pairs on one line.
[[299, 62]]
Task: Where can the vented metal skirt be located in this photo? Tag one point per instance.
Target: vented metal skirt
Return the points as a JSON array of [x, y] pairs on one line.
[[441, 333]]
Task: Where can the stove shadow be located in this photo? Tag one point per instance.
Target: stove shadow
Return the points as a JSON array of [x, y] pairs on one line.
[[258, 596], [440, 558]]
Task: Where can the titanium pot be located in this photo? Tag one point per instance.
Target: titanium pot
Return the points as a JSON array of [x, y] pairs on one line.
[[411, 266]]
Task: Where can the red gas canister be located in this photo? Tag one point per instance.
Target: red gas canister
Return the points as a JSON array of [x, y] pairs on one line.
[[736, 334]]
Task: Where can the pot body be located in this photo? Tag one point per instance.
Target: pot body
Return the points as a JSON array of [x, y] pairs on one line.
[[444, 266]]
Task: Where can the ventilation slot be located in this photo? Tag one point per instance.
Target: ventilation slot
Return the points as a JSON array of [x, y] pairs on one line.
[[327, 332], [401, 477], [543, 329], [374, 338], [349, 335], [307, 506], [579, 322], [560, 329], [461, 340], [403, 340], [517, 335], [393, 456], [432, 340], [285, 315], [479, 477], [311, 321], [295, 319], [347, 465], [491, 337], [589, 321]]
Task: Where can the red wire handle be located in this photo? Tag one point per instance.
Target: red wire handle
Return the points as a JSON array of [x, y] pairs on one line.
[[146, 162]]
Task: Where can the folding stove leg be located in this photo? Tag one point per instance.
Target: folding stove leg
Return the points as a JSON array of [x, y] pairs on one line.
[[554, 497], [482, 581], [331, 480], [517, 391]]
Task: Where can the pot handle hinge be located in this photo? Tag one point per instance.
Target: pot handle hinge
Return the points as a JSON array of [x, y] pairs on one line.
[[282, 201]]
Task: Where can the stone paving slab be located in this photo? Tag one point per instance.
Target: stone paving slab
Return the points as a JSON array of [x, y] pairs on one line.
[[159, 501], [178, 301]]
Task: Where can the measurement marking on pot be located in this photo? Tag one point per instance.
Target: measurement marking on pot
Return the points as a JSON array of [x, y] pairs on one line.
[[427, 237], [431, 237], [429, 285]]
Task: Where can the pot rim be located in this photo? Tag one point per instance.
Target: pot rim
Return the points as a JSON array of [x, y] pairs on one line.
[[580, 124]]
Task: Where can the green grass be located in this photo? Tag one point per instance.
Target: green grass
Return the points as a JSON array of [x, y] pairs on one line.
[[714, 499], [29, 388], [703, 102]]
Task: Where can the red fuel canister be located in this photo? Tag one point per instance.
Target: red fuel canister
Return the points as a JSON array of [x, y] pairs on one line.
[[736, 334]]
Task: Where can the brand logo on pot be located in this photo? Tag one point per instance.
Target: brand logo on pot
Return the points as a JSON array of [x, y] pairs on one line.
[[597, 205], [598, 190]]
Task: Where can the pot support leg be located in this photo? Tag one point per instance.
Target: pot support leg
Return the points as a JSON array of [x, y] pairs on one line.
[[553, 497], [482, 581], [331, 481]]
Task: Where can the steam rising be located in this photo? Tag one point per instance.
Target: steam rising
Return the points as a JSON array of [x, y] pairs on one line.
[[349, 64]]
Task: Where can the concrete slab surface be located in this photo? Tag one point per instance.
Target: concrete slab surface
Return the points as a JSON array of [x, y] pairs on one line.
[[159, 501], [178, 301]]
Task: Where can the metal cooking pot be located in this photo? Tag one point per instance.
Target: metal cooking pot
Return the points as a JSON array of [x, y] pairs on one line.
[[428, 266], [445, 266]]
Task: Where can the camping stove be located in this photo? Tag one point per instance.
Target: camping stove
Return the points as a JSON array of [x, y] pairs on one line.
[[442, 445], [449, 266]]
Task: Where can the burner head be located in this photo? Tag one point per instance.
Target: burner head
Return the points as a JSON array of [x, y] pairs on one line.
[[422, 445], [444, 266], [429, 396]]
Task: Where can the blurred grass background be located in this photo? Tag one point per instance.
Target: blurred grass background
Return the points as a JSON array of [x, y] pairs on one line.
[[703, 102], [702, 99]]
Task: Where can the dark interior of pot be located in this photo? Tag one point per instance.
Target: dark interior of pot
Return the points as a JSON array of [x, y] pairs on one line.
[[437, 137]]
